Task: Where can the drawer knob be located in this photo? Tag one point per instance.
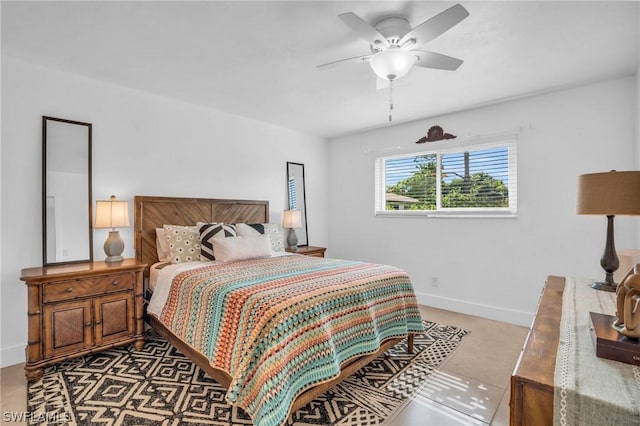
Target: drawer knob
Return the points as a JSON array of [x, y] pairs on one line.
[[69, 290], [98, 322], [87, 324], [114, 283]]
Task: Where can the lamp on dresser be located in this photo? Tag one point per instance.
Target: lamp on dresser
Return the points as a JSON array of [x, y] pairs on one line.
[[292, 219], [112, 214], [610, 194]]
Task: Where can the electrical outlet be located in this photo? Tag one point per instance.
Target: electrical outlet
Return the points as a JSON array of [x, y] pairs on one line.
[[435, 281]]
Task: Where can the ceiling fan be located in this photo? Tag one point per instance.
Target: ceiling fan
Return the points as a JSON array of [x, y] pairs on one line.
[[394, 44]]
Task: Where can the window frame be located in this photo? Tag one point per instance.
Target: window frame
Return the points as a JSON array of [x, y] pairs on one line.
[[464, 212]]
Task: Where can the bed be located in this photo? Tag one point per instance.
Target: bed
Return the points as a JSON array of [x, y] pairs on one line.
[[269, 385]]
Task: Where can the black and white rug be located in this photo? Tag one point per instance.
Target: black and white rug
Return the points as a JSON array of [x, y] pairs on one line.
[[160, 386]]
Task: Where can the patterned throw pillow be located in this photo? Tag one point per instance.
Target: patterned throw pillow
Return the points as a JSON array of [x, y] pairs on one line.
[[209, 231], [273, 230], [184, 243]]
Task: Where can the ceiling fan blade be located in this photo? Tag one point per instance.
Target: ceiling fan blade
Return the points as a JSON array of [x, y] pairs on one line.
[[363, 29], [437, 61], [433, 27], [355, 59]]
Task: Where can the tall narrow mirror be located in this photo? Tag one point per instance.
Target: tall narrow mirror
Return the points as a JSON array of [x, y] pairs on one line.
[[66, 191], [297, 198]]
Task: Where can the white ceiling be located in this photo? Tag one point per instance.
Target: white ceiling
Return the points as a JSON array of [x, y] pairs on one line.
[[258, 59]]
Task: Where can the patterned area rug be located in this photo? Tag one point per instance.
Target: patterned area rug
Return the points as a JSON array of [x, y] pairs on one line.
[[160, 386]]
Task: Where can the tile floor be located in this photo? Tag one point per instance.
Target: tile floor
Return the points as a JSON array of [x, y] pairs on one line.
[[471, 387]]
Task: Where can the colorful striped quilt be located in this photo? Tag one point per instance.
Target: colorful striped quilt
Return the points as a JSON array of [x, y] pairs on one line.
[[281, 325]]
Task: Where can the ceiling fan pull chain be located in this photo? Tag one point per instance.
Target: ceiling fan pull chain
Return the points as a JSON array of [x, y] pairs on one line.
[[390, 100]]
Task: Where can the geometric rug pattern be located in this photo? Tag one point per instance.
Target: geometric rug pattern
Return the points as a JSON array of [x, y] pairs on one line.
[[160, 386]]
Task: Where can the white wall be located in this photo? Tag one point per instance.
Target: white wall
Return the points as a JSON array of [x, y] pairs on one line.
[[638, 114], [496, 267], [142, 145]]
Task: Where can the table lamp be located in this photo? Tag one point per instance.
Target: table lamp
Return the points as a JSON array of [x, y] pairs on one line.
[[292, 219], [610, 194], [112, 214]]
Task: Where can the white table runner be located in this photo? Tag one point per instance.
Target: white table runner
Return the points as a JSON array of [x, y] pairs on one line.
[[590, 390]]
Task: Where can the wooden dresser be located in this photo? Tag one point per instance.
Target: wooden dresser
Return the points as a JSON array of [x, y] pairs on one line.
[[81, 308], [532, 380], [309, 251]]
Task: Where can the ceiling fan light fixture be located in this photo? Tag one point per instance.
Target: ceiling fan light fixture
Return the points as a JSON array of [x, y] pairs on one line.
[[393, 63]]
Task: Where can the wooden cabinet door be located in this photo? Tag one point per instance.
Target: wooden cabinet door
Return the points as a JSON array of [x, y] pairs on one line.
[[113, 317], [67, 327]]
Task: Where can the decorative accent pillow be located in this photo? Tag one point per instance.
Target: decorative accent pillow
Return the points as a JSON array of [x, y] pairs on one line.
[[241, 248], [162, 246], [210, 232], [273, 230], [184, 243]]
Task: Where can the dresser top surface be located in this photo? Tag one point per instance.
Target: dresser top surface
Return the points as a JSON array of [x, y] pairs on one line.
[[43, 273], [538, 359]]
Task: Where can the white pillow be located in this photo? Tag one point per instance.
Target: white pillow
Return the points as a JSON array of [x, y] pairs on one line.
[[273, 230], [162, 246], [240, 248]]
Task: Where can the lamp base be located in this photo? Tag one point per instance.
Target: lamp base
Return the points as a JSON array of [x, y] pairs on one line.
[[292, 239], [609, 261], [113, 247], [604, 286]]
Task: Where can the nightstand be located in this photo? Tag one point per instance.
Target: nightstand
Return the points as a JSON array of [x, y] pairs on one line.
[[309, 251], [80, 308]]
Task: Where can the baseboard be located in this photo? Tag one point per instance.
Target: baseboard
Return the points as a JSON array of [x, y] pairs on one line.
[[11, 356], [510, 316]]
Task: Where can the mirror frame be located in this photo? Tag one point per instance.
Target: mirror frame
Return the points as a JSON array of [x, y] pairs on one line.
[[290, 166], [89, 126]]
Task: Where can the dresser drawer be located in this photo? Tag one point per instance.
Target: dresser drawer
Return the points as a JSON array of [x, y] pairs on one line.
[[66, 290]]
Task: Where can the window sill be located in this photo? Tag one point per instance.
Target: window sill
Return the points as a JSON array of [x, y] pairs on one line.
[[449, 214]]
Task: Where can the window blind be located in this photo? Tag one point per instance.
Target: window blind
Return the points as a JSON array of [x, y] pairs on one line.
[[465, 179]]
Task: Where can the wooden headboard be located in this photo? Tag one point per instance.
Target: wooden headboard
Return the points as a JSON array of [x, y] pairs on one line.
[[152, 212]]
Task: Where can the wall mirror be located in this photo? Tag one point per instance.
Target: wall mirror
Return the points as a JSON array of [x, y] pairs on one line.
[[66, 191], [297, 199]]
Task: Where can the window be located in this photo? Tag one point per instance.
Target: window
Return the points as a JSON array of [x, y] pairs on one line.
[[472, 180]]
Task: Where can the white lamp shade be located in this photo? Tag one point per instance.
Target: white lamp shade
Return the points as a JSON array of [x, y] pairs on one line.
[[292, 219], [112, 213], [393, 63]]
